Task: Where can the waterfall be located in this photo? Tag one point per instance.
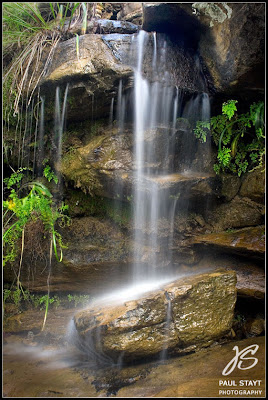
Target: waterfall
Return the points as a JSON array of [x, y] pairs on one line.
[[141, 102], [119, 103], [111, 116], [41, 131], [155, 51], [59, 121], [157, 106]]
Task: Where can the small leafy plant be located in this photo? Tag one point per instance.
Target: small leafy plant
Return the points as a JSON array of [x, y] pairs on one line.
[[24, 300], [36, 204], [20, 298], [239, 137], [49, 174], [82, 299], [30, 201]]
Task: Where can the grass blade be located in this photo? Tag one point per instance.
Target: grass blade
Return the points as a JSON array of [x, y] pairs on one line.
[[77, 46], [52, 10], [84, 23]]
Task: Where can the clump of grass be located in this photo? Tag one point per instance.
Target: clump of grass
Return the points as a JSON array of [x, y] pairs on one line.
[[27, 32]]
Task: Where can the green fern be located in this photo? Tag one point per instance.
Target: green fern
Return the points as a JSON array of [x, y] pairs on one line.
[[19, 211], [239, 137]]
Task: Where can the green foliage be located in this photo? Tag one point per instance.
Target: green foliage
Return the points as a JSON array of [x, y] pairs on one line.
[[82, 299], [229, 108], [84, 21], [20, 20], [37, 204], [239, 137], [175, 196], [24, 20], [6, 294], [224, 156], [24, 299], [15, 296], [49, 174], [201, 130], [19, 297], [42, 301], [15, 178]]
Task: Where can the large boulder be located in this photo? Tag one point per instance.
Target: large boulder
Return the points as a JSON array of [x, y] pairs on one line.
[[102, 165], [228, 186], [93, 74], [182, 316], [233, 45], [229, 37]]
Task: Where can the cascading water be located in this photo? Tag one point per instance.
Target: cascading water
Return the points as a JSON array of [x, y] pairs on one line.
[[111, 116], [59, 121], [156, 105], [41, 131]]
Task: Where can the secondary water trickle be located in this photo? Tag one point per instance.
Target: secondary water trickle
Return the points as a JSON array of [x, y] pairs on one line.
[[111, 116], [41, 131], [59, 121]]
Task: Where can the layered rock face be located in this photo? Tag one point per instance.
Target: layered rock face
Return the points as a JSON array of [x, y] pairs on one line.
[[183, 316]]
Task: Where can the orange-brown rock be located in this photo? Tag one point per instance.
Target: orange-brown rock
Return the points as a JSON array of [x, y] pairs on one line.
[[246, 241], [183, 316]]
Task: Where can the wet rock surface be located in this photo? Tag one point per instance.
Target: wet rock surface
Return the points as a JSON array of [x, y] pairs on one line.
[[201, 308], [35, 369], [95, 248], [104, 166], [221, 47], [246, 241], [92, 240], [250, 281]]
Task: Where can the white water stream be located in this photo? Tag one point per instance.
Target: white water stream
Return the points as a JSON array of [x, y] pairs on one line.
[[157, 105]]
